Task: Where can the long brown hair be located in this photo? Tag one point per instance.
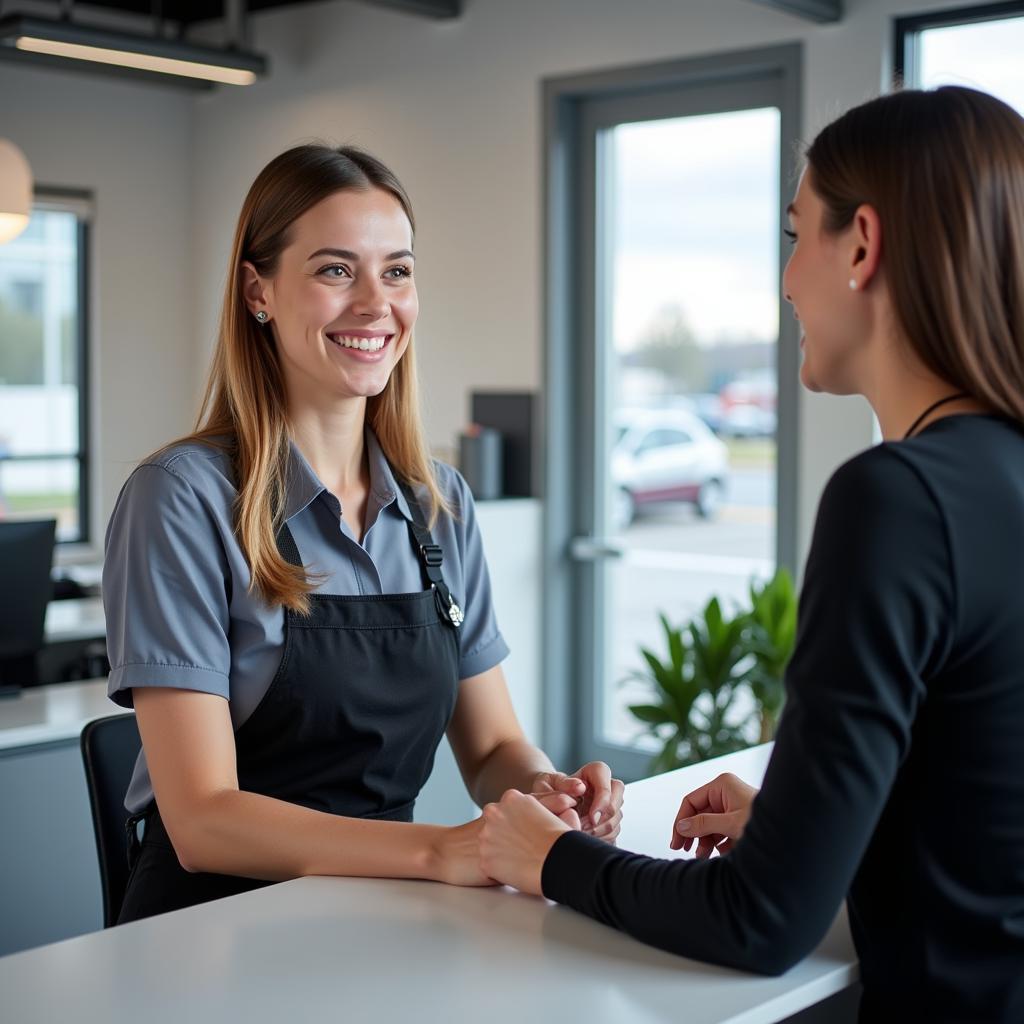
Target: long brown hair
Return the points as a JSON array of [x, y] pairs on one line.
[[244, 407], [944, 170]]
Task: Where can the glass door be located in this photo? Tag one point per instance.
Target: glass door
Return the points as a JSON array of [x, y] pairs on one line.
[[678, 422]]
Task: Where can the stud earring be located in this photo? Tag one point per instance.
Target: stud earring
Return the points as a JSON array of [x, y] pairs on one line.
[[263, 316], [853, 285]]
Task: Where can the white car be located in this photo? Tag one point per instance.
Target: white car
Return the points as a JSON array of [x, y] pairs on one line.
[[666, 455]]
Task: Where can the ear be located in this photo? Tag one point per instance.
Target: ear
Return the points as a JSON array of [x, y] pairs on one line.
[[257, 292], [866, 251]]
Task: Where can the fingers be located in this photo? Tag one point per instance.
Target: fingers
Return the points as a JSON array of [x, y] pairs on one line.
[[571, 818], [714, 831], [618, 796], [557, 803], [559, 782], [608, 830], [598, 778], [706, 846], [724, 794], [692, 803], [591, 793]]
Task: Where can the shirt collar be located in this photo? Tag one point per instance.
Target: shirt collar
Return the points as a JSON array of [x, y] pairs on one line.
[[383, 484], [303, 486]]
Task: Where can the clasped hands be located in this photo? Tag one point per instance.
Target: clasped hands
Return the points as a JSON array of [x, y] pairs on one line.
[[589, 800], [519, 830]]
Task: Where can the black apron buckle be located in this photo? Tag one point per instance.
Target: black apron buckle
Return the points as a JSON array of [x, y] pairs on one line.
[[131, 830]]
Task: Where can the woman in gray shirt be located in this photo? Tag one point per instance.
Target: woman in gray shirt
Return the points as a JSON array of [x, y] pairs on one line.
[[297, 598]]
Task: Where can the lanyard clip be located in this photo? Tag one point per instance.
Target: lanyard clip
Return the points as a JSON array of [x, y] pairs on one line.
[[449, 611], [455, 612]]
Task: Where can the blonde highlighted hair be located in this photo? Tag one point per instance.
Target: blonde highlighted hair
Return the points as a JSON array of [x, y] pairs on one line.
[[244, 407]]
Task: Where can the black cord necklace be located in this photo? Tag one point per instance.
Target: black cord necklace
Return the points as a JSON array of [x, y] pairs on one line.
[[931, 408]]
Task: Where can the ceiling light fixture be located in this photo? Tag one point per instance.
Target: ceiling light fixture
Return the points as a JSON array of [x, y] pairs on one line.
[[15, 191], [69, 40]]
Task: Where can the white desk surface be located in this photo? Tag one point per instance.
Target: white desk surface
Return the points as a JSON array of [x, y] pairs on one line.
[[52, 714], [79, 618], [401, 951]]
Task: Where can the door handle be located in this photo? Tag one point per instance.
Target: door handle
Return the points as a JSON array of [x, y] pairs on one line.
[[592, 549]]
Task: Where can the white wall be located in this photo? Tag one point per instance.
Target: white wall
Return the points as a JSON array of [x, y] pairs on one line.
[[511, 532], [130, 145]]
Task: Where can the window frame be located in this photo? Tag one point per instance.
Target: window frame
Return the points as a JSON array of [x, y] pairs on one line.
[[907, 30], [80, 203]]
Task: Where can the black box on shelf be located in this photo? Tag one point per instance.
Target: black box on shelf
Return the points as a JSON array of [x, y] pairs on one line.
[[514, 415]]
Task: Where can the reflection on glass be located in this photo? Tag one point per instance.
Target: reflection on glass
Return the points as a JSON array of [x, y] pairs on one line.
[[39, 371], [985, 56], [692, 225]]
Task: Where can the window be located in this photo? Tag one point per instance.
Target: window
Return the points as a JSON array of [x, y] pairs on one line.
[[976, 46], [664, 439], [43, 368]]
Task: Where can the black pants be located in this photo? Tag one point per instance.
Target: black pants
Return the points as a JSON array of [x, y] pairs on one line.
[[157, 882]]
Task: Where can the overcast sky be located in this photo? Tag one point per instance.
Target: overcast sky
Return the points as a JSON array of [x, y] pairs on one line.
[[696, 221], [988, 56]]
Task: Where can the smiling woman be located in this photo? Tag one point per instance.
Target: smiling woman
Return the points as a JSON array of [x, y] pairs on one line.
[[308, 295], [297, 599]]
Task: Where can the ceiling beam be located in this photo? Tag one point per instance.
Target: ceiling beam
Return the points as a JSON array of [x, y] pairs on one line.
[[813, 10], [427, 8]]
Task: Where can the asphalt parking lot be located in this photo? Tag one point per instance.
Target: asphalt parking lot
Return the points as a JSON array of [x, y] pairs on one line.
[[674, 562]]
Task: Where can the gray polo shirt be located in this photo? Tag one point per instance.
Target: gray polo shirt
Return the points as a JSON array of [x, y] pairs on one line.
[[176, 584]]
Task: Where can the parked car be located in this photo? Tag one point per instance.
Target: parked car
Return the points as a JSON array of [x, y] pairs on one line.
[[746, 420], [666, 455]]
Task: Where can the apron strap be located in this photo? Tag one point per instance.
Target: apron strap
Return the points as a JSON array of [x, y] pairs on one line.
[[431, 557], [131, 829], [430, 554], [286, 545]]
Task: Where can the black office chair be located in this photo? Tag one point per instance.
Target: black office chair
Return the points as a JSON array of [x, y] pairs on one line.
[[110, 747], [26, 557]]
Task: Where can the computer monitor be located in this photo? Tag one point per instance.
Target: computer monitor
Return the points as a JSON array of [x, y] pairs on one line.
[[26, 557]]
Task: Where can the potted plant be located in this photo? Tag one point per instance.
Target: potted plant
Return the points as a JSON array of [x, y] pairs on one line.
[[720, 676], [772, 636]]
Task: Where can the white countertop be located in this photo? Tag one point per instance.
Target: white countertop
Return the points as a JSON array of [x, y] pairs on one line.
[[52, 714], [383, 951]]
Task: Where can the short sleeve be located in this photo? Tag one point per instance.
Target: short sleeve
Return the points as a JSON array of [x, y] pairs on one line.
[[165, 589], [482, 645]]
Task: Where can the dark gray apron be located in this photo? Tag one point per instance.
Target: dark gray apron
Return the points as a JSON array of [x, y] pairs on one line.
[[349, 725]]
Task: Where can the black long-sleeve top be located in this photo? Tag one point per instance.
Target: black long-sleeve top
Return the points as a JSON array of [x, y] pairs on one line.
[[897, 777]]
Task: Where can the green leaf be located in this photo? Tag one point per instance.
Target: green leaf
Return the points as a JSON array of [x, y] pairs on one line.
[[653, 714], [676, 648]]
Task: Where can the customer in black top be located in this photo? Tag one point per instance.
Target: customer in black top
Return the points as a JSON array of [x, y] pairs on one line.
[[897, 777]]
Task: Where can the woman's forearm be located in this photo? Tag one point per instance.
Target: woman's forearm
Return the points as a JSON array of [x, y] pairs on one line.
[[240, 833], [511, 765]]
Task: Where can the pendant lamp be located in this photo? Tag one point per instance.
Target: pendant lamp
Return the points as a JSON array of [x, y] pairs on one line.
[[15, 191]]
